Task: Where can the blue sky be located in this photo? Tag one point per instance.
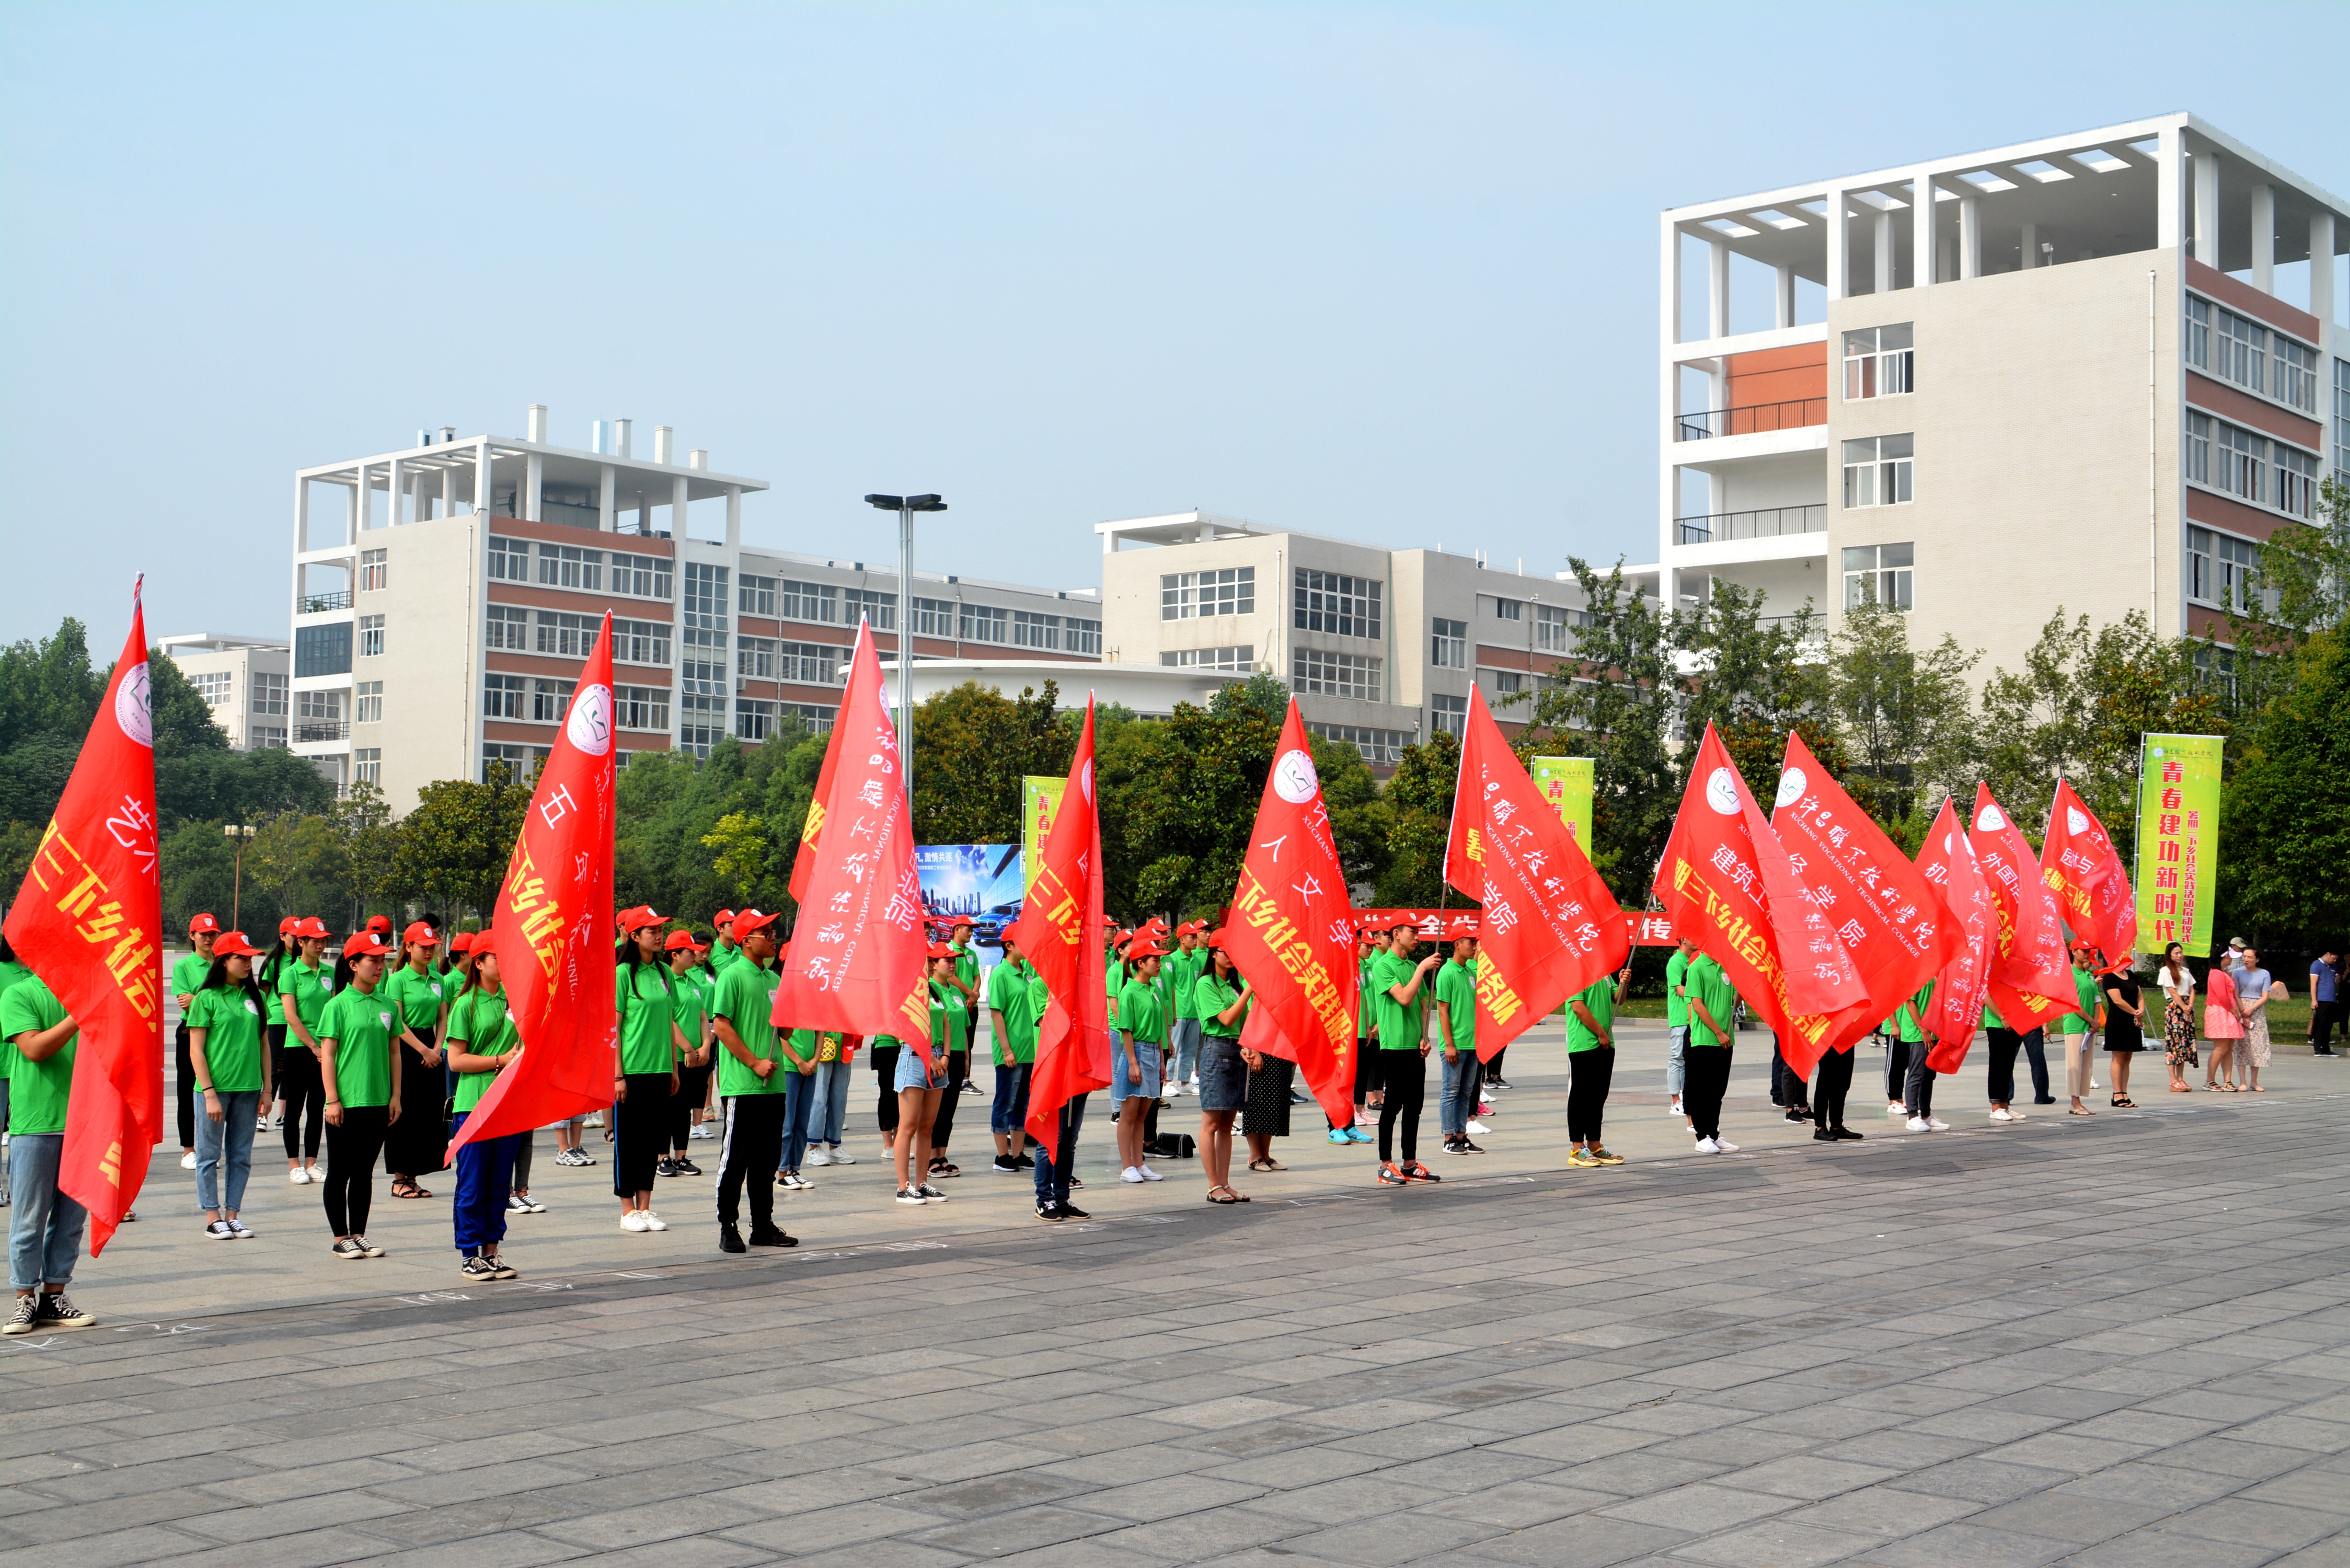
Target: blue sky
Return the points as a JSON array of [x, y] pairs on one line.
[[1381, 271]]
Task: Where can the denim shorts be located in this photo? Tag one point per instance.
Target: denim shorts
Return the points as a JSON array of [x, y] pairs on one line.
[[1123, 1087], [1223, 1076], [909, 1069]]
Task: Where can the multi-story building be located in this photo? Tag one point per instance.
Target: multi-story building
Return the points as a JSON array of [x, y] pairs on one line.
[[442, 628], [1379, 647], [245, 680], [2064, 372]]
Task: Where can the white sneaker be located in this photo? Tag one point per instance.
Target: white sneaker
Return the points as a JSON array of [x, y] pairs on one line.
[[1149, 1174], [2002, 1114], [1675, 1110], [701, 1131], [1937, 1125], [1895, 1108], [633, 1219], [839, 1156], [298, 1177], [1725, 1145], [188, 1161], [818, 1155], [1131, 1174], [595, 1120], [1918, 1124], [1707, 1146], [1478, 1130], [652, 1220]]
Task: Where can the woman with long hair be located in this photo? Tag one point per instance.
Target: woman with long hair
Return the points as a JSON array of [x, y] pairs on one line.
[[2222, 1024], [2125, 1031], [231, 1072], [418, 1145], [1221, 998], [690, 993], [303, 983], [481, 1044], [1136, 1053], [2178, 982], [361, 1068], [918, 1087], [646, 1076], [2252, 984]]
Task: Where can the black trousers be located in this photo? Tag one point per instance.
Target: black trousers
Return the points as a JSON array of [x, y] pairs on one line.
[[2035, 1051], [642, 1136], [1828, 1092], [751, 1149], [302, 1092], [186, 1077], [2001, 1076], [1918, 1089], [2323, 1016], [1705, 1077], [1897, 1067], [1493, 1065], [1786, 1088], [693, 1090], [942, 1125], [351, 1150], [1405, 1082], [1586, 1095], [885, 1067]]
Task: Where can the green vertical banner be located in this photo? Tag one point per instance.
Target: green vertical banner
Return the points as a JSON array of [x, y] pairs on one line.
[[2178, 841], [1566, 783], [1040, 797]]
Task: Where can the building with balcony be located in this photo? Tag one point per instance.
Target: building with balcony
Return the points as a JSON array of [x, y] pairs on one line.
[[1379, 647], [446, 596], [2095, 370], [244, 679]]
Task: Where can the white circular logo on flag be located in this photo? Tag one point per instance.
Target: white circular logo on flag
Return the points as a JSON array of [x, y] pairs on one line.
[[589, 728], [1721, 792], [2075, 820], [1085, 780], [1990, 820], [132, 708], [1949, 844], [1792, 785], [1293, 779]]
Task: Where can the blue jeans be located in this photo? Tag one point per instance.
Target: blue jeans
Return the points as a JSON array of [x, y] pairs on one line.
[[799, 1095], [1053, 1177], [1186, 1042], [2035, 1053], [1676, 1063], [44, 1226], [485, 1178], [1009, 1115], [229, 1138], [829, 1116], [1463, 1076]]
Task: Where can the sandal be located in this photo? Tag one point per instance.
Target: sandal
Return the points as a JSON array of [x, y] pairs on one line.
[[1266, 1165], [2080, 1111], [407, 1189], [1225, 1202]]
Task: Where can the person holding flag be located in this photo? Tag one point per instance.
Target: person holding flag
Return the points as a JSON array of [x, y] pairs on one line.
[[1015, 999], [1456, 1031], [1713, 1038], [44, 1222], [1401, 983], [481, 1044], [751, 1085]]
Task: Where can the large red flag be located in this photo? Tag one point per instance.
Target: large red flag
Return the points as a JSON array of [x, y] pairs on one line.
[[552, 928], [1887, 915], [2081, 865], [859, 951], [2031, 974], [1725, 879], [812, 829], [1291, 933], [1948, 861], [88, 920], [1061, 931], [1549, 927]]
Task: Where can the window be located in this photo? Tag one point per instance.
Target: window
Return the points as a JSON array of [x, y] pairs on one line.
[[371, 571], [754, 721], [1329, 601], [216, 688], [566, 636], [2296, 482], [1241, 657], [2297, 375], [512, 765], [2239, 349], [1509, 609], [1507, 682], [320, 716], [872, 604], [1030, 629], [756, 596], [550, 701], [1081, 636], [2196, 457], [1378, 747], [1448, 645], [703, 691], [366, 766], [641, 642], [2342, 416], [502, 696], [1876, 472], [703, 615], [2196, 342], [1230, 590], [266, 737], [2219, 568], [818, 602], [323, 650], [2241, 468], [366, 703], [1356, 675], [1878, 362], [1449, 714], [370, 637], [640, 576], [506, 629], [934, 617], [986, 623], [268, 692], [756, 657], [509, 560], [809, 664], [1879, 575], [568, 566], [1551, 624], [641, 707]]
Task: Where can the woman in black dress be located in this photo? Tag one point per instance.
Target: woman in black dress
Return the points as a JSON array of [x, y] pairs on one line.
[[2125, 1031], [1267, 1116]]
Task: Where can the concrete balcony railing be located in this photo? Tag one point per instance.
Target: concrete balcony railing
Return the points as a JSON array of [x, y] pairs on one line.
[[1766, 523], [1755, 419]]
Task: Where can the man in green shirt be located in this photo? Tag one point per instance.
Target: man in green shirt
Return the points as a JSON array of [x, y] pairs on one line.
[[1456, 1031], [188, 974], [751, 1084], [724, 954], [1677, 1019], [1917, 1082], [1399, 986], [1181, 973], [44, 1225], [1713, 1032], [966, 981], [1016, 1003], [1591, 1058]]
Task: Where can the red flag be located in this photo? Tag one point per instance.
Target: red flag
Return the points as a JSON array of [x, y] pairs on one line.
[[2079, 863], [2031, 974], [552, 928], [1549, 926], [813, 829], [1290, 932], [1061, 930], [1948, 861], [1724, 879], [88, 920], [1885, 912], [859, 953]]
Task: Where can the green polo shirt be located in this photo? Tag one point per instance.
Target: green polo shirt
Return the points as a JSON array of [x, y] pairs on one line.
[[1599, 996], [308, 985], [1676, 1004], [689, 1004], [746, 999], [1011, 992], [188, 976], [723, 956], [1456, 990], [1910, 1018], [418, 997], [1142, 1013], [1708, 985], [647, 1013], [1210, 997], [949, 1014], [1401, 1024], [2084, 990], [1367, 1006], [1183, 969], [231, 1020], [37, 1091], [479, 1022], [360, 1022], [12, 974], [264, 974]]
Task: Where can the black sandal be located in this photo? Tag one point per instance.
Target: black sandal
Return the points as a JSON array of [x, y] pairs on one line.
[[404, 1189], [1266, 1166]]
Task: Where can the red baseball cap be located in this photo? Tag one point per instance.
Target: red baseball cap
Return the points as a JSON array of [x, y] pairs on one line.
[[461, 943], [204, 925], [418, 931], [380, 924], [680, 940], [642, 915], [751, 920], [940, 950], [285, 927], [1145, 948], [312, 926], [722, 916], [231, 944], [366, 944]]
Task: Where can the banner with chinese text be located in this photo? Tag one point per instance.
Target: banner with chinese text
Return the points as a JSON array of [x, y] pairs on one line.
[[1566, 783], [1040, 797], [2178, 841]]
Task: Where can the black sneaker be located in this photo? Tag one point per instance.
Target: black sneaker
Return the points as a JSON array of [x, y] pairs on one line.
[[506, 1270], [1043, 1211], [1071, 1211], [1797, 1113], [1846, 1135], [1497, 1082], [665, 1167], [1005, 1165], [349, 1251], [1822, 1134], [730, 1240], [1024, 1162], [773, 1238], [26, 1313], [478, 1267], [681, 1166], [56, 1312], [1468, 1148]]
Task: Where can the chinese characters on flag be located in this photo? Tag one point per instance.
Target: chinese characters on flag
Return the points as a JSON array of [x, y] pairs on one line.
[[2031, 975], [1549, 927], [1955, 1012], [2081, 865], [1063, 932], [88, 920]]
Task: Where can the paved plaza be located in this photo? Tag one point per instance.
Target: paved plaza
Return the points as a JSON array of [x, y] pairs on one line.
[[2121, 1339]]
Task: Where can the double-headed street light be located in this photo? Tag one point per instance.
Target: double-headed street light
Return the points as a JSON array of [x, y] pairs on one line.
[[905, 506]]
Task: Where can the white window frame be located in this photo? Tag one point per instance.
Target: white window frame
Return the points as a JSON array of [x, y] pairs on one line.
[[1879, 471], [269, 692], [2221, 568], [1239, 656], [550, 701], [366, 766], [1223, 591], [1887, 575], [1337, 604], [1322, 673], [1449, 643], [502, 697], [370, 637], [641, 707], [1881, 362], [372, 571], [366, 703]]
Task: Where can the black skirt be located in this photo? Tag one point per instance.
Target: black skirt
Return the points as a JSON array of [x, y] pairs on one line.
[[418, 1143], [1268, 1098]]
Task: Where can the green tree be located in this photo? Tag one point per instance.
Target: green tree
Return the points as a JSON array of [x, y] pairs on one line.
[[47, 688], [452, 850], [1419, 800], [2286, 812], [197, 874], [1906, 717], [743, 859], [300, 866], [972, 747]]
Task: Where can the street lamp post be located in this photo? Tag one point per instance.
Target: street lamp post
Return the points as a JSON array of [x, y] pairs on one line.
[[239, 834], [905, 506]]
